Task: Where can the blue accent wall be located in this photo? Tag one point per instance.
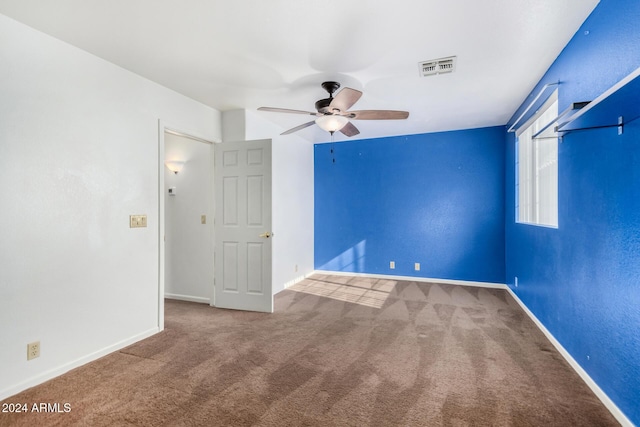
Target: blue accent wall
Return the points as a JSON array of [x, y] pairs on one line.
[[583, 279], [446, 200], [436, 199]]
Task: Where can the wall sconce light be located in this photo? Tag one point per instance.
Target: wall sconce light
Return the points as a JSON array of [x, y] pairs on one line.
[[174, 166]]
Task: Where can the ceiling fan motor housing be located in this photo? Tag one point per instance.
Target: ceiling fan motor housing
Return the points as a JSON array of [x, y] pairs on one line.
[[322, 106]]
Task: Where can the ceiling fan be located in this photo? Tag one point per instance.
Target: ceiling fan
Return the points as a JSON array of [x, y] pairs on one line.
[[333, 115]]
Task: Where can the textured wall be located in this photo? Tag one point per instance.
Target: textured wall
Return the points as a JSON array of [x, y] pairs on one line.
[[581, 280], [79, 144], [436, 199]]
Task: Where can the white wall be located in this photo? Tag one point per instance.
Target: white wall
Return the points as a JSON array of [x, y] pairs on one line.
[[188, 242], [79, 153], [292, 210], [292, 194]]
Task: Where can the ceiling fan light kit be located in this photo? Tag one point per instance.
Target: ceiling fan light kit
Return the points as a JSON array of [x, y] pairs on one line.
[[333, 115], [331, 123]]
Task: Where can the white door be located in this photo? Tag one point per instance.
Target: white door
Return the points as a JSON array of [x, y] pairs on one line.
[[243, 225]]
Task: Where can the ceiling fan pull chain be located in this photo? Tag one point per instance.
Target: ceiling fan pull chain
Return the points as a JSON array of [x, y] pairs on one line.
[[333, 157]]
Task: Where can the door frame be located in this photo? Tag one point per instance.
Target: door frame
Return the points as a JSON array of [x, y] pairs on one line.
[[163, 127]]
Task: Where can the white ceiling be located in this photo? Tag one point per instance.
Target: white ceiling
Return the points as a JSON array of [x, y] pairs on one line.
[[232, 54]]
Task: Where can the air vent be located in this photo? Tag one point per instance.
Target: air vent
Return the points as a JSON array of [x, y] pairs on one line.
[[437, 66]]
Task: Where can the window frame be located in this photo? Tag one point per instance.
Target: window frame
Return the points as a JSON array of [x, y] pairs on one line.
[[535, 207]]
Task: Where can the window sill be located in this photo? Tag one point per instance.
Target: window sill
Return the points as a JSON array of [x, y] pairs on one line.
[[534, 224]]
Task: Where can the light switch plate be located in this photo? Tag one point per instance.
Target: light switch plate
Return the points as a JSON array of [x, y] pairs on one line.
[[137, 221], [203, 219]]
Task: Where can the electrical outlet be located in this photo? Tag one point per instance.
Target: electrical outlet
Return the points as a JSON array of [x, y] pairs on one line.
[[137, 221], [392, 265], [33, 350], [203, 219], [417, 266]]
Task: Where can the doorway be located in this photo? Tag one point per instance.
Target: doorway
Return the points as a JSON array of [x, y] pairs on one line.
[[185, 218], [240, 282], [188, 198]]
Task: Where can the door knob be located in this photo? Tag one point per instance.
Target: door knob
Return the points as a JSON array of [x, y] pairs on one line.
[[266, 235]]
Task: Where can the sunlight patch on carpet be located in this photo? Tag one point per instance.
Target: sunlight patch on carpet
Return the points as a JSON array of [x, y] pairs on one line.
[[370, 294]]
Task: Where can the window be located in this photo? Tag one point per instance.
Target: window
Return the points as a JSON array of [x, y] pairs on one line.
[[537, 168]]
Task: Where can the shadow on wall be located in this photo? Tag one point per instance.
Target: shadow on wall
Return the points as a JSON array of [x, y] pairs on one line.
[[352, 259]]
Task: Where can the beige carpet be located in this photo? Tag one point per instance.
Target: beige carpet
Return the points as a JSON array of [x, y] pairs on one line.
[[338, 351]]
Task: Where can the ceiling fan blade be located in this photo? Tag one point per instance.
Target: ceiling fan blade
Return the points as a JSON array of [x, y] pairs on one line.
[[349, 129], [286, 110], [344, 99], [377, 115], [297, 128]]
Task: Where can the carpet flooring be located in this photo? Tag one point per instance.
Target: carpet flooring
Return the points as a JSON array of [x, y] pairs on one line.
[[338, 351]]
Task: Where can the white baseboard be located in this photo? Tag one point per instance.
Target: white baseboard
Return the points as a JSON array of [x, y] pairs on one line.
[[187, 298], [416, 279], [606, 401], [52, 373]]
